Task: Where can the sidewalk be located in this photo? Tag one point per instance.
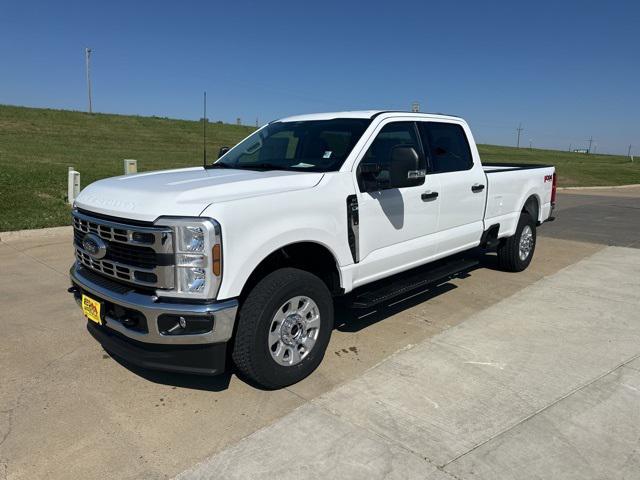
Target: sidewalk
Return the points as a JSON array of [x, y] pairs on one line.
[[544, 384]]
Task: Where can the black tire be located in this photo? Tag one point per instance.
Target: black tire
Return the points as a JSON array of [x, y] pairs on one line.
[[251, 353], [509, 249]]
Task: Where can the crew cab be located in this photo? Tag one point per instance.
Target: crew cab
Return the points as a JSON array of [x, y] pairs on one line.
[[241, 258]]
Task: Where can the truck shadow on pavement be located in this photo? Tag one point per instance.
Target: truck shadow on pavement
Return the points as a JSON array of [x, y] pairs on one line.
[[216, 383], [352, 320]]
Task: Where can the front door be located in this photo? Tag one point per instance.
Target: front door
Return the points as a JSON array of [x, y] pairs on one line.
[[394, 223]]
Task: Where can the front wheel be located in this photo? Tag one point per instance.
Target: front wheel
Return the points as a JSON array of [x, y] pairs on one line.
[[284, 327], [515, 253]]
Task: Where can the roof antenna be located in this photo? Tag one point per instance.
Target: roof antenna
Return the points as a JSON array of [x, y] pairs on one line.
[[204, 131]]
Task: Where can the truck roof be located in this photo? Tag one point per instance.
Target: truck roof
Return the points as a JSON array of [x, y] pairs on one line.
[[360, 114]]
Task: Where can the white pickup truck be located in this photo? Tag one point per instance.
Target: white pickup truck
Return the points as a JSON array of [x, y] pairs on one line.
[[183, 269]]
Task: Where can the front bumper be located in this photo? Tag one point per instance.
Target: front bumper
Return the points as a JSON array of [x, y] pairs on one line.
[[202, 359], [146, 346]]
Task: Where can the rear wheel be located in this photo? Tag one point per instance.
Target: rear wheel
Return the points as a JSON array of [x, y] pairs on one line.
[[284, 327], [515, 253]]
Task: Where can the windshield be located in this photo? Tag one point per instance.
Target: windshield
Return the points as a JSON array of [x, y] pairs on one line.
[[317, 146]]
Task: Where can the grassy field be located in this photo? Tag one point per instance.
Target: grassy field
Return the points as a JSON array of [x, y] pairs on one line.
[[574, 169], [37, 146]]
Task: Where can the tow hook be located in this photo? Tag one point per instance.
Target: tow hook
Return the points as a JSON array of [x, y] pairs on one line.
[[73, 289]]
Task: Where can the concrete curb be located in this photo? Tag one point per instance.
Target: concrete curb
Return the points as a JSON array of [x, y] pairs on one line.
[[600, 187], [35, 233]]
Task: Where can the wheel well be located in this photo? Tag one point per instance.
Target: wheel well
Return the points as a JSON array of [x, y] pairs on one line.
[[309, 256], [532, 207]]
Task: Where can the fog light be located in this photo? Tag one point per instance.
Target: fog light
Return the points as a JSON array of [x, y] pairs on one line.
[[184, 325]]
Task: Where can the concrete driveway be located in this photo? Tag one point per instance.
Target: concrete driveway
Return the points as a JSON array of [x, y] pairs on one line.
[[68, 410]]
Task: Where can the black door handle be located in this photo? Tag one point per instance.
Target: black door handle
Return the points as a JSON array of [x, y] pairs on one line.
[[429, 196], [477, 188]]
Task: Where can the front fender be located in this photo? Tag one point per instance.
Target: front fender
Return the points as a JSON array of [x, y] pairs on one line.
[[242, 266], [254, 228]]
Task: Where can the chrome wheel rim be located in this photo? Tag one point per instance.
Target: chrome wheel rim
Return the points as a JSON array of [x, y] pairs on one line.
[[526, 242], [294, 330]]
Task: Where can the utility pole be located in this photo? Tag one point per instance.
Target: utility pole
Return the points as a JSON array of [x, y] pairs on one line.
[[629, 151], [204, 130], [519, 130], [87, 58], [590, 142], [570, 145]]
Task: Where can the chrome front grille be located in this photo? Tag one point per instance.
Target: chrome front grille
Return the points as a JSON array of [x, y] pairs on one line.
[[135, 254]]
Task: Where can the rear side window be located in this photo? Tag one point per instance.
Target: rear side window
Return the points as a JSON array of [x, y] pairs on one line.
[[447, 147]]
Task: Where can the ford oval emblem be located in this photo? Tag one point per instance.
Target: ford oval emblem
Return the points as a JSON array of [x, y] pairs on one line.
[[94, 246]]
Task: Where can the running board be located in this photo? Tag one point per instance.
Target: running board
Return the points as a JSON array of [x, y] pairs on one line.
[[407, 282]]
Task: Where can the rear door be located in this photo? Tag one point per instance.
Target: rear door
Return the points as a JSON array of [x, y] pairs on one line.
[[395, 224], [462, 185]]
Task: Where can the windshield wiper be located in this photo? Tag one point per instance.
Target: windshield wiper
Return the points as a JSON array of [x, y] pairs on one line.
[[218, 165], [262, 166]]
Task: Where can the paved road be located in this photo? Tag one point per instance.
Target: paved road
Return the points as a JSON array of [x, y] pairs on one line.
[[68, 410], [608, 217]]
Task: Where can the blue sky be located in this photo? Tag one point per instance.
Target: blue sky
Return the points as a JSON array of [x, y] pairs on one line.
[[566, 70]]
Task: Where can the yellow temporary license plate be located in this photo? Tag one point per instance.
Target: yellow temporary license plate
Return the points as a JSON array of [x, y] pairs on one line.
[[91, 309]]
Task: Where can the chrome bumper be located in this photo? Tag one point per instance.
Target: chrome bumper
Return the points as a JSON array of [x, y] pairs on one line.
[[224, 314]]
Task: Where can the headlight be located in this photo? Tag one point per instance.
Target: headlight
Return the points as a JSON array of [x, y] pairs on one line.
[[198, 257], [191, 239]]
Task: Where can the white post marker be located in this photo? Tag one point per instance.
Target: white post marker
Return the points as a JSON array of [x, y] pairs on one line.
[[130, 166], [73, 185]]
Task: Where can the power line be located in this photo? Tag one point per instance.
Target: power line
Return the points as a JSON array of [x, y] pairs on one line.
[[519, 130], [590, 142], [87, 58]]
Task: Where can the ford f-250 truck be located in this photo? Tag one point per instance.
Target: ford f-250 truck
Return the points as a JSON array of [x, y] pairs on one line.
[[180, 269]]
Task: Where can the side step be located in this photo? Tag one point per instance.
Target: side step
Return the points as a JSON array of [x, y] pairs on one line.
[[406, 282]]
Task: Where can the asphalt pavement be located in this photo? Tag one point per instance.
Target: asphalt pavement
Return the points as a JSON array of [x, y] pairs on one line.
[[603, 216]]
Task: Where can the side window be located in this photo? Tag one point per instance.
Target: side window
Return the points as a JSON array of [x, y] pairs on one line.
[[376, 163], [447, 147]]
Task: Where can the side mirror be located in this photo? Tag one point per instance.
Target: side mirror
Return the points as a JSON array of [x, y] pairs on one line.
[[405, 167], [222, 151]]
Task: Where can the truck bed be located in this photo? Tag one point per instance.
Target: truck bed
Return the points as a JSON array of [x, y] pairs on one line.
[[507, 167], [509, 186]]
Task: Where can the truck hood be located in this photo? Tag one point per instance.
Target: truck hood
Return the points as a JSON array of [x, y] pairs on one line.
[[185, 192]]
